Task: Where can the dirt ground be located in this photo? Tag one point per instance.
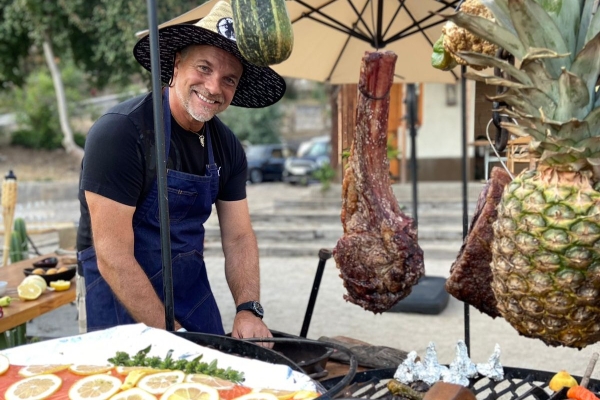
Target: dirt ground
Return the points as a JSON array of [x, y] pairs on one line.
[[38, 165]]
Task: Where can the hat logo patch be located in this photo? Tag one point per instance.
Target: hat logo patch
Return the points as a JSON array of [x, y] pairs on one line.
[[225, 28]]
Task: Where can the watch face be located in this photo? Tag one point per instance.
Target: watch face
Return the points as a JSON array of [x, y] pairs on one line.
[[258, 310]]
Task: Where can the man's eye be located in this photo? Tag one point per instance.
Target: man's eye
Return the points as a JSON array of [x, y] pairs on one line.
[[204, 68]]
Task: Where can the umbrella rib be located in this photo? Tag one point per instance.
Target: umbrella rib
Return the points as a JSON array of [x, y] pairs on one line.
[[334, 23], [359, 15], [417, 24], [393, 18], [339, 57]]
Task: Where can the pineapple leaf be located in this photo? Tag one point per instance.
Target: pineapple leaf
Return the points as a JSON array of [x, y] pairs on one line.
[[494, 62], [584, 24], [593, 121], [537, 29], [587, 67], [541, 79], [517, 101], [489, 31], [573, 97], [521, 131], [500, 10], [594, 27], [566, 15], [575, 130]]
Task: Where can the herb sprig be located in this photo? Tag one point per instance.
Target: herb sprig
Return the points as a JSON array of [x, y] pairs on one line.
[[195, 366]]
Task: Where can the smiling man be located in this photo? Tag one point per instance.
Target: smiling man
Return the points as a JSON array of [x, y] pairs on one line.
[[119, 232]]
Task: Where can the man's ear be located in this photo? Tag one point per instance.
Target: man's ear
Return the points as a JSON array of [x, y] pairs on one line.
[[176, 64]]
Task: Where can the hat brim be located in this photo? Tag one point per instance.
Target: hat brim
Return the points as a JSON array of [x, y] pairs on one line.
[[258, 86]]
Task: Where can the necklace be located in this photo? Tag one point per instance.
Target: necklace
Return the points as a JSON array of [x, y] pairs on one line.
[[201, 134]]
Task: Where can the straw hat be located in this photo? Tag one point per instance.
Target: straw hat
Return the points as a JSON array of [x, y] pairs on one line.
[[258, 86]]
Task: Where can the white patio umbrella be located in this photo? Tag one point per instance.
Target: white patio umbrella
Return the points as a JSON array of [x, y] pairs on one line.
[[331, 37]]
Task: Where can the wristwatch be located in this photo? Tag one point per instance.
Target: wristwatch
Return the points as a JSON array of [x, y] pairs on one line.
[[253, 306]]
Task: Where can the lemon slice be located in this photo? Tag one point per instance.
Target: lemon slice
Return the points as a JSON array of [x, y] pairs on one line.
[[134, 377], [158, 383], [257, 396], [32, 370], [81, 369], [34, 388], [95, 387], [122, 370], [280, 394], [60, 285], [133, 394], [214, 382], [29, 291], [305, 395], [4, 364], [190, 391], [38, 280]]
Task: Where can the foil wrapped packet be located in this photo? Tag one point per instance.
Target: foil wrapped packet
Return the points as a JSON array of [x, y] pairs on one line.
[[461, 368], [430, 370], [404, 373], [493, 368]]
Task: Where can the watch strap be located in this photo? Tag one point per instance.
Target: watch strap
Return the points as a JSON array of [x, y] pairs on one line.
[[252, 306]]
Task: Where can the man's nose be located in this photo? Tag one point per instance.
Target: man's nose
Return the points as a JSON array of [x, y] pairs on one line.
[[213, 85]]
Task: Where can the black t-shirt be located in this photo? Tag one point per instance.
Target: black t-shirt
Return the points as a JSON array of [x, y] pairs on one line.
[[120, 160]]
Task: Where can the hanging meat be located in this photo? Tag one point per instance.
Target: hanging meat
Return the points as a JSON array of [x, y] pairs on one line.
[[471, 275], [378, 255]]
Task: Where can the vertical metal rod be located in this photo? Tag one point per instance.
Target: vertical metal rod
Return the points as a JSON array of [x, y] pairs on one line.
[[411, 102], [161, 170], [324, 255], [465, 180]]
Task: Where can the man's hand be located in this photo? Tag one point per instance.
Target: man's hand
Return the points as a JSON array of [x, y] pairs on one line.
[[247, 325]]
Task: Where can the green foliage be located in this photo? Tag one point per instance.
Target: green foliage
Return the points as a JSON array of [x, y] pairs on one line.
[[325, 174], [37, 112], [256, 125]]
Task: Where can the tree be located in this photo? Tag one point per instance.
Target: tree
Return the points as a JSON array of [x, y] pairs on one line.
[[97, 34], [256, 125]]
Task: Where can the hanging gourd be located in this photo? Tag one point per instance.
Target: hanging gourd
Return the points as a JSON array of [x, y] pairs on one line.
[[263, 30]]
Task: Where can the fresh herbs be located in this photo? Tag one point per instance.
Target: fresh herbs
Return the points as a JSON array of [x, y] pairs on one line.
[[140, 359]]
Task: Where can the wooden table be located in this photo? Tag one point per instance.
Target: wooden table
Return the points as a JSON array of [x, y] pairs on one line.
[[22, 311]]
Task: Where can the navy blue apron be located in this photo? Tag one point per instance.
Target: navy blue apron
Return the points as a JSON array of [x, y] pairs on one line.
[[190, 199]]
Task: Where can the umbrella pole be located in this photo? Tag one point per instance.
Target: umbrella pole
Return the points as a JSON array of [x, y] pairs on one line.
[[161, 170], [411, 100], [465, 205]]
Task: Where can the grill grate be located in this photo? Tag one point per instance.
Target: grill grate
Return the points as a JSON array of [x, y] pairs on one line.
[[518, 384]]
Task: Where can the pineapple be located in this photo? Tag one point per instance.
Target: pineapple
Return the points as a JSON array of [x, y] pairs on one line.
[[546, 249]]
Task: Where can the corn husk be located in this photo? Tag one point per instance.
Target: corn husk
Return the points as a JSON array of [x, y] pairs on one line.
[[9, 202]]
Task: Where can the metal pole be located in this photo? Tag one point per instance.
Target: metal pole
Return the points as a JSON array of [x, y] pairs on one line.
[[465, 220], [324, 255], [161, 170], [411, 102]]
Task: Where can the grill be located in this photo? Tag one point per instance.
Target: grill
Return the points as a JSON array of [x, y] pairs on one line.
[[518, 384]]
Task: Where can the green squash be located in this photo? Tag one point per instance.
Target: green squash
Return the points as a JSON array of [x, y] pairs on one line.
[[263, 30]]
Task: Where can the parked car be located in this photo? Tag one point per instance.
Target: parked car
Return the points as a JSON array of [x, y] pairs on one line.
[[312, 155], [265, 162]]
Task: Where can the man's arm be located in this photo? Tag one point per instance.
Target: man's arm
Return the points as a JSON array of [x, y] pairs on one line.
[[112, 233], [241, 265]]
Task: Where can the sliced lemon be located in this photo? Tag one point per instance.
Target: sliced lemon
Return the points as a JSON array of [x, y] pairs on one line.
[[158, 383], [280, 394], [60, 285], [32, 370], [38, 280], [34, 388], [122, 370], [257, 396], [95, 387], [82, 369], [190, 391], [29, 291], [4, 364], [133, 394], [305, 395], [134, 377], [212, 381]]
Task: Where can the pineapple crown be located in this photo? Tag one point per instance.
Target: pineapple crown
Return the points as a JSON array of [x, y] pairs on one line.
[[553, 90]]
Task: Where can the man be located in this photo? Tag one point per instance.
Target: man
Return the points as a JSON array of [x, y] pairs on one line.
[[206, 164]]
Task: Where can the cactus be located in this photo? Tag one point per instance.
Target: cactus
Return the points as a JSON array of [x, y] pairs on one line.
[[20, 227], [16, 254]]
